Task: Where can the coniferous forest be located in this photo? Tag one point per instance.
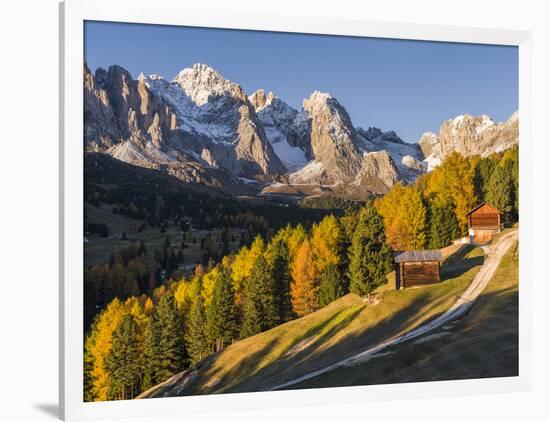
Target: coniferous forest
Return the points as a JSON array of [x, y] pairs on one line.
[[146, 319]]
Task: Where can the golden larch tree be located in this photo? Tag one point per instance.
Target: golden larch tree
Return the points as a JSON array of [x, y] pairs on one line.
[[305, 285]]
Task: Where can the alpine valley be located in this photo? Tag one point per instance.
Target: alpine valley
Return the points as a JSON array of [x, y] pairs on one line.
[[207, 131]]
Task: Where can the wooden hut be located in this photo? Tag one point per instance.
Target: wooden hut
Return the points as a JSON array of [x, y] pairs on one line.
[[417, 268], [483, 223]]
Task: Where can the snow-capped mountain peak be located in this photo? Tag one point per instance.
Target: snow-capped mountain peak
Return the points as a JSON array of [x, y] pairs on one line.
[[201, 82], [317, 100], [205, 128]]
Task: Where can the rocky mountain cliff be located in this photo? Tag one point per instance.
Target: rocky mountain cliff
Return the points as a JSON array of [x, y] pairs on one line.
[[199, 117], [470, 135], [204, 129]]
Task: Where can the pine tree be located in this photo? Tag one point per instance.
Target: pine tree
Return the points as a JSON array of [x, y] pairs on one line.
[[196, 337], [370, 257], [330, 286], [482, 173], [305, 284], [123, 362], [151, 361], [279, 269], [500, 189], [221, 314], [259, 308], [443, 226], [171, 349]]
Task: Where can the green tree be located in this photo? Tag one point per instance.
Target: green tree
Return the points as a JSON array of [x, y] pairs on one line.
[[259, 307], [279, 269], [442, 225], [330, 287], [171, 349], [510, 162], [369, 254], [221, 314], [196, 338], [123, 362], [500, 189], [151, 362], [482, 173]]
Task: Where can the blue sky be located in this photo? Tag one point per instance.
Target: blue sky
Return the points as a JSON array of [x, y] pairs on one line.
[[407, 86]]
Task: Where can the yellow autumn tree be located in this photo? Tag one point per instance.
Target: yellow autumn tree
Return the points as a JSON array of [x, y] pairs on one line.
[[452, 184], [107, 323], [208, 282], [326, 243], [148, 307], [404, 214], [243, 265], [295, 238], [305, 285], [136, 310]]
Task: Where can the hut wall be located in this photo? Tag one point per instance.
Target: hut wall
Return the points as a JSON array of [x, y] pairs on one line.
[[486, 217], [419, 273]]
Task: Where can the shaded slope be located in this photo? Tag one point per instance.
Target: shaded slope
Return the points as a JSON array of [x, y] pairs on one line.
[[320, 339], [482, 344]]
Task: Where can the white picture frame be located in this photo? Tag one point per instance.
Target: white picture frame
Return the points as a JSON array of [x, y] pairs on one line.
[[73, 14]]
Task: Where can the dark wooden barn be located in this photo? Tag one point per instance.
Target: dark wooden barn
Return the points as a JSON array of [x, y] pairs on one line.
[[417, 268], [483, 223]]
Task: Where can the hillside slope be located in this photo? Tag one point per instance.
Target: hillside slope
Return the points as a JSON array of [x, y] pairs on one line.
[[482, 344], [307, 344]]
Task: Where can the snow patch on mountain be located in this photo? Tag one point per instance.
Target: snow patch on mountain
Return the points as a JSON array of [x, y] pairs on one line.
[[191, 117], [201, 83], [406, 157], [486, 123], [292, 157], [314, 170], [279, 122]]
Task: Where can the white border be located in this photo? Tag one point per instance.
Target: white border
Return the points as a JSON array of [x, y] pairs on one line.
[[73, 13]]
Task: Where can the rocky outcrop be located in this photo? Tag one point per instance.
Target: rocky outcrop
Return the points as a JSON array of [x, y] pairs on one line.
[[406, 157], [378, 172], [284, 127], [200, 117], [332, 138], [469, 135], [219, 121], [204, 127], [123, 118]]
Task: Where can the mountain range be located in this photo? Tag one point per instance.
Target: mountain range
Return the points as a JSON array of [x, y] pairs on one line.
[[204, 129]]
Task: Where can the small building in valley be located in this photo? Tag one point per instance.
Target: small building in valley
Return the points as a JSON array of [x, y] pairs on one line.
[[417, 268], [483, 223]]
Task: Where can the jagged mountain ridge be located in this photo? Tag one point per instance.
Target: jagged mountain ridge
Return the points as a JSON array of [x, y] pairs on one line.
[[470, 135], [203, 128]]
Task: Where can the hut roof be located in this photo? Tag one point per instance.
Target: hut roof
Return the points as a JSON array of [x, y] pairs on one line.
[[418, 256], [482, 204]]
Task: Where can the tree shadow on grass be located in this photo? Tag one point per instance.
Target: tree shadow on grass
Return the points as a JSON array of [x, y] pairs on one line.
[[316, 355], [263, 369], [481, 344], [459, 263], [210, 380]]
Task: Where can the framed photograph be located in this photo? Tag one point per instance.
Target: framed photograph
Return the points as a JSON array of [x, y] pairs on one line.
[[262, 211]]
